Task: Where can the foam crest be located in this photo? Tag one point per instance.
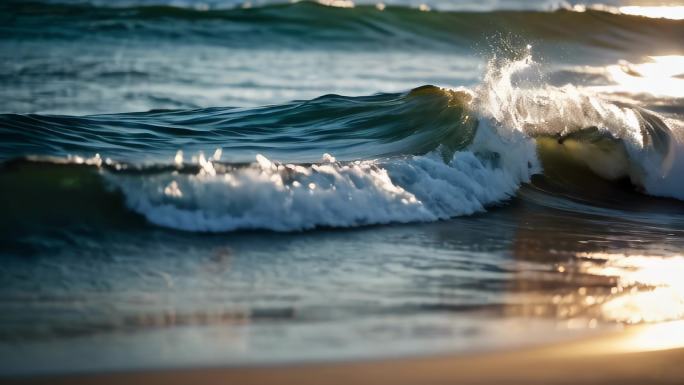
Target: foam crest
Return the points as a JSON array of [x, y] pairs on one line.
[[613, 140], [287, 197]]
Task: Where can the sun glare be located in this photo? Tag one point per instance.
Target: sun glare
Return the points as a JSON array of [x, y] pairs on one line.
[[673, 12], [649, 289], [666, 12], [662, 336], [660, 76]]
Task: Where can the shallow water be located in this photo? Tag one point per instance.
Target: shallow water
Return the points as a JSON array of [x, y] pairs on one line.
[[183, 185]]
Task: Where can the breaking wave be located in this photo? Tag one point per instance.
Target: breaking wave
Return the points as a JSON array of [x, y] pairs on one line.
[[424, 155]]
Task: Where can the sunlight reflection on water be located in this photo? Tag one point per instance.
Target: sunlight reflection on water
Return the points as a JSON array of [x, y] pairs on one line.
[[649, 289], [661, 75], [675, 12]]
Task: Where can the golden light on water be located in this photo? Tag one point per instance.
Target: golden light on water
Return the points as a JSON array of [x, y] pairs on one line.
[[660, 75], [662, 336], [648, 288], [644, 338]]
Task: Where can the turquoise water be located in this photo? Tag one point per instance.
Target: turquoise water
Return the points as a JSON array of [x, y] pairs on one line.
[[198, 184]]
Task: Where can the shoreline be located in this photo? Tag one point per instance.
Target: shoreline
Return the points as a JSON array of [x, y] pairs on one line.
[[650, 354]]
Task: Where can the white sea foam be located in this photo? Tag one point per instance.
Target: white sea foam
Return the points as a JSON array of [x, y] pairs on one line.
[[287, 197], [649, 151]]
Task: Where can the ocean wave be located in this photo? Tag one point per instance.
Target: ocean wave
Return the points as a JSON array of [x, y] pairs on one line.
[[303, 23], [352, 128], [286, 197], [424, 155], [613, 140], [215, 197]]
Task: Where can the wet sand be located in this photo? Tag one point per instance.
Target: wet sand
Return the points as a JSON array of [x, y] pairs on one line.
[[643, 355]]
